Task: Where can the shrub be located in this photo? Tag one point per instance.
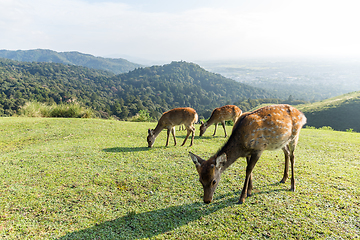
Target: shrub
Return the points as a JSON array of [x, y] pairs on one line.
[[72, 110], [326, 128], [141, 116]]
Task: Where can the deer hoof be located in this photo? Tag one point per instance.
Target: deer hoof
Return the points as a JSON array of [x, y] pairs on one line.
[[241, 201]]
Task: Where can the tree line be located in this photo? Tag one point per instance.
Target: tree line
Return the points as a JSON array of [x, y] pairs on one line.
[[153, 89]]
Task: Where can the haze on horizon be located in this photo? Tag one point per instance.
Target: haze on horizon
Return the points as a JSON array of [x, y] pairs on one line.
[[183, 30]]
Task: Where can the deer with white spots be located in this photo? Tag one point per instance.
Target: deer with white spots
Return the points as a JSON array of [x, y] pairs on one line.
[[267, 128], [177, 116], [220, 115]]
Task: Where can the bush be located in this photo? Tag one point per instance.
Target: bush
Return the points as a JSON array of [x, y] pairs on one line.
[[327, 128], [141, 116], [72, 110]]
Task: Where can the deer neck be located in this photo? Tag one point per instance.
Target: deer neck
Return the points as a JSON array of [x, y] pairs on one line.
[[158, 130], [210, 122], [233, 150]]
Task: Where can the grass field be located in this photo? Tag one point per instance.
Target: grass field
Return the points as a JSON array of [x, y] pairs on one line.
[[96, 179]]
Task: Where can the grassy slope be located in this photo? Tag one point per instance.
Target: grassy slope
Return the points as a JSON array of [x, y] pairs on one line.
[[341, 112], [96, 179]]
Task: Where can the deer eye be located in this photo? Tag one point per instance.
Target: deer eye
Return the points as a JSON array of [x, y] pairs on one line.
[[214, 182]]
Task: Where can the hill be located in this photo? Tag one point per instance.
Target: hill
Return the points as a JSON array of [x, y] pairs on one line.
[[182, 84], [340, 113], [155, 89], [115, 65]]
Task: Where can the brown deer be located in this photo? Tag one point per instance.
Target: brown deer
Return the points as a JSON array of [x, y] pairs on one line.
[[267, 128], [220, 115], [177, 116]]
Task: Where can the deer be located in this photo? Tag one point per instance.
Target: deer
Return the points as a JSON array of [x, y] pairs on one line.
[[267, 128], [177, 116], [220, 115]]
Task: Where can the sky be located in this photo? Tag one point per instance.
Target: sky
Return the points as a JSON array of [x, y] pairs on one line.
[[188, 30]]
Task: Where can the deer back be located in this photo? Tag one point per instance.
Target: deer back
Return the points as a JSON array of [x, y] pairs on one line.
[[269, 128], [178, 116], [224, 113]]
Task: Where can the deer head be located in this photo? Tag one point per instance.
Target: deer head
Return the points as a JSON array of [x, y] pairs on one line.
[[203, 128], [209, 173], [151, 138]]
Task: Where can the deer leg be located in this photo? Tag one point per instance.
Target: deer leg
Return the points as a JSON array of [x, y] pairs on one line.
[[215, 129], [250, 165], [173, 133], [187, 135], [286, 169], [250, 186], [167, 138], [292, 160], [192, 135], [292, 146], [223, 124]]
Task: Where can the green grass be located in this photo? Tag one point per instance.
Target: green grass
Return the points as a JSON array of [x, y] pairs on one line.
[[96, 179]]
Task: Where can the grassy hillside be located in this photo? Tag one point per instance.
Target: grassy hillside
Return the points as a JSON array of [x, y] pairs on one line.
[[96, 179], [115, 65], [340, 113]]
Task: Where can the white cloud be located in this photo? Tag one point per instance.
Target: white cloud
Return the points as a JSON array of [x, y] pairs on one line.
[[231, 30]]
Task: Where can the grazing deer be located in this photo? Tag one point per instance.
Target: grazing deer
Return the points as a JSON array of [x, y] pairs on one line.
[[267, 128], [177, 116], [221, 114]]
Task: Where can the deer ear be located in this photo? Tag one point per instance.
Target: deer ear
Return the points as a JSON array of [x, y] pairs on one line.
[[149, 131], [196, 159], [202, 122], [221, 160]]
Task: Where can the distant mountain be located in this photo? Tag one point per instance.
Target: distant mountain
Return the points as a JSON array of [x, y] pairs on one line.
[[340, 113], [115, 65], [155, 89]]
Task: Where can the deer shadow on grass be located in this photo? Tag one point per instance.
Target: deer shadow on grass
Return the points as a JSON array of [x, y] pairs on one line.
[[212, 137], [198, 137], [139, 225], [126, 149], [152, 223], [266, 189]]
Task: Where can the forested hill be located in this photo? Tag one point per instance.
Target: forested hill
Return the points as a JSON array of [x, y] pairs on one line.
[[340, 113], [182, 84], [115, 65], [155, 89]]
